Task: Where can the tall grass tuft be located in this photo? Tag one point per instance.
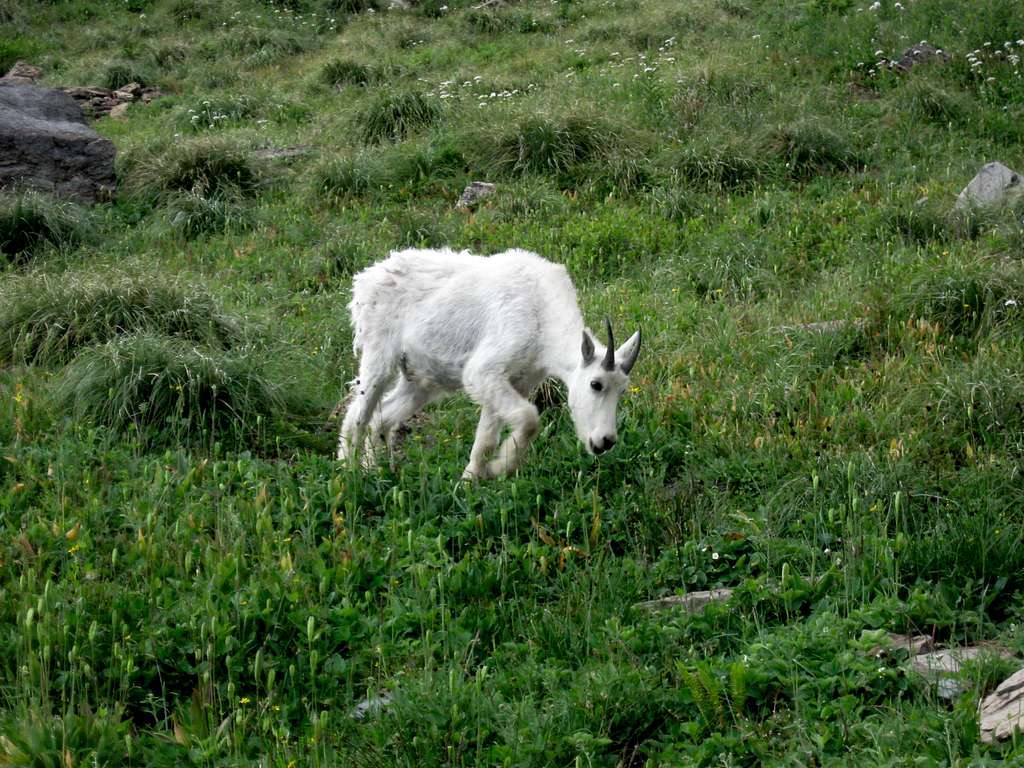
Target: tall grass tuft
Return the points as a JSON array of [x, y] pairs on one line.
[[727, 165], [396, 114], [963, 299], [29, 221], [191, 215], [544, 146], [341, 72], [166, 389], [808, 148], [118, 74], [206, 167], [46, 320]]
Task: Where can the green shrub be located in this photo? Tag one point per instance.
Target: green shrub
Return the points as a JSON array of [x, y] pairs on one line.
[[165, 389], [352, 6], [13, 49], [204, 167], [395, 115], [341, 72], [29, 221], [46, 320]]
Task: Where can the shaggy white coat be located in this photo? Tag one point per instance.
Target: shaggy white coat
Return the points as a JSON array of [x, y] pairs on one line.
[[431, 322]]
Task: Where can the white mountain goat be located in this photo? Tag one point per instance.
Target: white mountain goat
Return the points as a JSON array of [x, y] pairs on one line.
[[431, 322]]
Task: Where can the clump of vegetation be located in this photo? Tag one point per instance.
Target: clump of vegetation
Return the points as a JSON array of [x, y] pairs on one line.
[[545, 146], [260, 45], [192, 215], [930, 102], [167, 389], [203, 167], [808, 148], [348, 177], [46, 320], [920, 223], [962, 298], [30, 221], [730, 164], [341, 72], [118, 74], [396, 114]]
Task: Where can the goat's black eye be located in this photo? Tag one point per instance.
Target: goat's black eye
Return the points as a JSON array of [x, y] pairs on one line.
[[596, 385]]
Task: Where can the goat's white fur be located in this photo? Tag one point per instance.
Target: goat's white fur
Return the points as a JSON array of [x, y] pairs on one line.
[[431, 322]]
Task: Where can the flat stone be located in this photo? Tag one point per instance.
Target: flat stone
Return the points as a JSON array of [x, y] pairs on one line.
[[119, 111], [992, 185], [1002, 711], [691, 602], [915, 645], [473, 194], [282, 153], [45, 144]]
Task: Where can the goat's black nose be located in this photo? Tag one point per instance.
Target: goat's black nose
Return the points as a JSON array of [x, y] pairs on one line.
[[603, 445]]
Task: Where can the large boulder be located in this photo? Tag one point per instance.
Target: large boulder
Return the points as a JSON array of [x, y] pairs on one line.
[[994, 184], [45, 144]]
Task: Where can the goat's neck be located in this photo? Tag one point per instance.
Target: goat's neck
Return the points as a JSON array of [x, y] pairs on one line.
[[562, 353]]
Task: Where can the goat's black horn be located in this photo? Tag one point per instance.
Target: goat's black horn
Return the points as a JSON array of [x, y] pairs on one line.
[[609, 356]]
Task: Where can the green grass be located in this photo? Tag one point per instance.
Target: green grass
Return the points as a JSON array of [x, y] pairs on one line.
[[826, 417]]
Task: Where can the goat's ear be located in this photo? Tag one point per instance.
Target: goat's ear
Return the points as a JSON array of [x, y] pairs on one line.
[[627, 353], [588, 348]]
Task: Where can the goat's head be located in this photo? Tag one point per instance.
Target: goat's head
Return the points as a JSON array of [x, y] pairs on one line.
[[596, 386]]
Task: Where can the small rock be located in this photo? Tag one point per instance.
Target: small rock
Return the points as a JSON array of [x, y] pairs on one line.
[[119, 110], [993, 184], [914, 645], [919, 54], [370, 706], [473, 194], [1002, 711], [692, 602], [825, 326], [23, 73], [282, 153], [130, 92]]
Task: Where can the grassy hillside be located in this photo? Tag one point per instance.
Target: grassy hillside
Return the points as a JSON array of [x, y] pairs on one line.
[[827, 415]]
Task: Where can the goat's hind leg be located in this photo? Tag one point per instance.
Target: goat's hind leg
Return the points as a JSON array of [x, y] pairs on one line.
[[399, 405], [375, 373]]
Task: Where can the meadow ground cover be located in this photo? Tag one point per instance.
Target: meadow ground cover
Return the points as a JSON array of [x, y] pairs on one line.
[[188, 578]]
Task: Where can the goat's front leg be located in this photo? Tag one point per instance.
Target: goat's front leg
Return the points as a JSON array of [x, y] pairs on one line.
[[525, 424], [488, 430]]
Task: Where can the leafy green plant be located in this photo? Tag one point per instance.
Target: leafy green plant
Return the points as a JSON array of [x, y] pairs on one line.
[[342, 72]]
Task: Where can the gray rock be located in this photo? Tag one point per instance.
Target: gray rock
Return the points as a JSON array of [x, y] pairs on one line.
[[118, 112], [473, 194], [692, 602], [919, 54], [942, 667], [1002, 711], [994, 184], [370, 706], [45, 144]]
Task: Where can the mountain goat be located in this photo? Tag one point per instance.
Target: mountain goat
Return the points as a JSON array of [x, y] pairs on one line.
[[431, 322]]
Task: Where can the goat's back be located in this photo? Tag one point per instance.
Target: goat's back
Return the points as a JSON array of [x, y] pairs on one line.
[[393, 293]]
